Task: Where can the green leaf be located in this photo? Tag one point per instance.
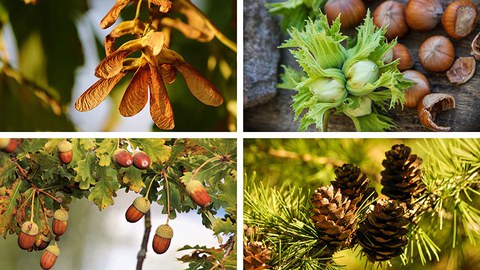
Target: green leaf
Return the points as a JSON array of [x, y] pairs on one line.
[[132, 177], [154, 148], [84, 171], [224, 226], [8, 205], [105, 151], [7, 170], [104, 190], [373, 122], [29, 109]]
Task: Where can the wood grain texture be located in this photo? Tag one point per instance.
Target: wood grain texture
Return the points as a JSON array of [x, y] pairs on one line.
[[277, 115]]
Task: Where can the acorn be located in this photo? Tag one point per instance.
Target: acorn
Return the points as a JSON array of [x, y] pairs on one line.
[[43, 242], [8, 145], [197, 193], [122, 157], [141, 160], [27, 235], [65, 151], [163, 237], [60, 221], [49, 257], [137, 209]]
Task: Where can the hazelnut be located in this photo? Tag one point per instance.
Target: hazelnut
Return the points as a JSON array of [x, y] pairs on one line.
[[460, 18], [420, 89], [351, 12], [423, 15], [402, 52], [462, 70], [391, 15], [436, 54]]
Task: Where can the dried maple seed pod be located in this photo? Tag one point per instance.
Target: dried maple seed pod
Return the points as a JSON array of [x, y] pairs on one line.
[[43, 242], [352, 12], [436, 54], [65, 151], [137, 209], [402, 52], [60, 221], [423, 15], [11, 146], [421, 88], [49, 257], [391, 15], [460, 18], [27, 235], [198, 193], [430, 106], [122, 158], [163, 237], [462, 70], [141, 160]]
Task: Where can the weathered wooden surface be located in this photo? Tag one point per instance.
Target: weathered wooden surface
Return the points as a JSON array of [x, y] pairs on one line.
[[277, 115]]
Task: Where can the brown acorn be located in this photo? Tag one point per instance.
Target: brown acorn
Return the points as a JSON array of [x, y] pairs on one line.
[[60, 221], [8, 145], [65, 152], [27, 235], [137, 209], [49, 257], [43, 242], [122, 157], [163, 237], [141, 160], [197, 193]]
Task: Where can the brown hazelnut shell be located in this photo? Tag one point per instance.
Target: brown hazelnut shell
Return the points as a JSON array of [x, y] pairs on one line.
[[402, 52], [436, 54], [352, 12], [420, 89], [460, 18], [430, 106], [462, 70], [423, 15], [391, 13]]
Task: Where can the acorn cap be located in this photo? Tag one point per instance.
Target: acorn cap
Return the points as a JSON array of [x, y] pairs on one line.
[[4, 142], [64, 146], [193, 185], [54, 249], [164, 231], [29, 228], [142, 204], [61, 214]]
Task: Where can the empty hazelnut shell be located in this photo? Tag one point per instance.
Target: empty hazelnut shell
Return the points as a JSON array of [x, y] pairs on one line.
[[462, 70], [476, 47], [430, 106]]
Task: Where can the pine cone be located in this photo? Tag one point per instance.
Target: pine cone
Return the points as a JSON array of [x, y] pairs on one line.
[[382, 233], [333, 216], [401, 178], [351, 182], [256, 254]]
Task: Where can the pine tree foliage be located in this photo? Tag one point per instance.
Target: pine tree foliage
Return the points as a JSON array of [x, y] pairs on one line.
[[439, 220]]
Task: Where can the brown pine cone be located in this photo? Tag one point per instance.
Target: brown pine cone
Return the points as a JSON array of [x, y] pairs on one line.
[[334, 217], [351, 182], [382, 233]]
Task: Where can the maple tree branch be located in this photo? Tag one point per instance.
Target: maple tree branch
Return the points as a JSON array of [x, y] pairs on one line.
[[142, 254]]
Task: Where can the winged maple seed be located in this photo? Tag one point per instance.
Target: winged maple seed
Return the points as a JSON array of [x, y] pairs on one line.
[[157, 65]]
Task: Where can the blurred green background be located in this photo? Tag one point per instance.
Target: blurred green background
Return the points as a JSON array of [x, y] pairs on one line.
[[310, 163], [48, 52]]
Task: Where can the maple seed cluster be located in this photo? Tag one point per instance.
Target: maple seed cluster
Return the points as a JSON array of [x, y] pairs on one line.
[[139, 159], [157, 65]]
